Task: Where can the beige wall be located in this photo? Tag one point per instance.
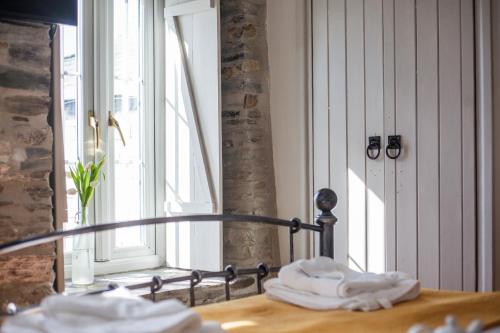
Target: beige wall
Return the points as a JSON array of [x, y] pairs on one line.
[[287, 50], [496, 140]]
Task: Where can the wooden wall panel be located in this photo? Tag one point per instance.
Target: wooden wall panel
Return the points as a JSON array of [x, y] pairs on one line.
[[399, 67], [406, 170], [495, 77], [320, 113], [468, 147], [428, 142], [389, 127], [321, 131], [338, 122], [450, 138], [356, 141], [374, 110]]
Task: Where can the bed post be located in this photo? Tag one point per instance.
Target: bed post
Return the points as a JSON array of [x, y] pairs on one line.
[[326, 200]]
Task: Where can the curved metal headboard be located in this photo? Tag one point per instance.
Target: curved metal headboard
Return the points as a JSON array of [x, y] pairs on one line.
[[325, 199]]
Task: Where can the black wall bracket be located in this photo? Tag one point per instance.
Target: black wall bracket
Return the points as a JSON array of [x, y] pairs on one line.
[[393, 148], [374, 146]]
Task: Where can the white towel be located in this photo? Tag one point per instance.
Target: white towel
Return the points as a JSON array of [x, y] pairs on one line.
[[324, 276], [115, 311], [323, 284]]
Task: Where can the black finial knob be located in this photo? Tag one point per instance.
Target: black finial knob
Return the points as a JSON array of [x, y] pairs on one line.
[[326, 200]]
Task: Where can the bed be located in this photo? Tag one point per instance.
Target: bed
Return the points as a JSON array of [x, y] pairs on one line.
[[260, 314]]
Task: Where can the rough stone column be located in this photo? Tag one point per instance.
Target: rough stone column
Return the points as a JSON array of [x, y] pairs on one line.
[[249, 185], [25, 160]]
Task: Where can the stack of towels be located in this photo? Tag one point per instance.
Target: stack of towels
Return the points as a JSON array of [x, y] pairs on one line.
[[323, 284], [111, 312]]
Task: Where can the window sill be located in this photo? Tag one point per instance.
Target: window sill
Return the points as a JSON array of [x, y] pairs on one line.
[[120, 265], [208, 291]]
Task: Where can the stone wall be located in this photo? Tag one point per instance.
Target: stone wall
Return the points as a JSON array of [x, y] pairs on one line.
[[25, 159], [248, 173]]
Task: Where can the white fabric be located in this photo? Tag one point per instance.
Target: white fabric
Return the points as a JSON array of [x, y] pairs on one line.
[[323, 284], [115, 311]]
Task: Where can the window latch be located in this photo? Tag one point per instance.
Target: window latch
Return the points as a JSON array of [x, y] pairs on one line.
[[94, 123], [112, 122]]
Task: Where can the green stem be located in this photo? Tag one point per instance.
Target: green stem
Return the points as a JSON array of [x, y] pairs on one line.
[[84, 215]]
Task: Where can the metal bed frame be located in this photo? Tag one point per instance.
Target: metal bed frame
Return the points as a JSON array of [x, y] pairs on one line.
[[325, 199]]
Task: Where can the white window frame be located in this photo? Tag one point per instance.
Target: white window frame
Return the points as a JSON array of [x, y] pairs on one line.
[[105, 242], [96, 33]]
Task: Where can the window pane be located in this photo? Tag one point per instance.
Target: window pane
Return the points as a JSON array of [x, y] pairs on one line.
[[69, 51], [71, 113], [128, 161]]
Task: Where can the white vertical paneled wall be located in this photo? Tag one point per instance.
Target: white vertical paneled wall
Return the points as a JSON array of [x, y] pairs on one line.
[[468, 146], [356, 172], [406, 118], [406, 67], [389, 127], [428, 135], [338, 120], [374, 108], [450, 166]]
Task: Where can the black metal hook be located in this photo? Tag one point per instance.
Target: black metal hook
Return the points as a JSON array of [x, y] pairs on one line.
[[233, 274], [373, 144], [196, 277], [297, 225], [394, 143], [157, 284], [264, 271]]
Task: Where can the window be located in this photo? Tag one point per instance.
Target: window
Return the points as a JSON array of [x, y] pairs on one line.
[[117, 41], [122, 68]]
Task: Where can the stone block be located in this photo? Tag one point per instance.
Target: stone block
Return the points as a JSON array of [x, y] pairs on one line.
[[14, 78], [36, 57], [26, 269], [24, 295], [25, 105]]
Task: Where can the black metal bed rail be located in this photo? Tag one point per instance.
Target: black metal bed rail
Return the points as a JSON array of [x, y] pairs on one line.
[[325, 199], [60, 234]]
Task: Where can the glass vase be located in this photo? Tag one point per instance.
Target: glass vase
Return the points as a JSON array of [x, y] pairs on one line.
[[82, 256]]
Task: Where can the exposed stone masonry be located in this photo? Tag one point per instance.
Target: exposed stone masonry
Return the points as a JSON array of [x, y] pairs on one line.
[[25, 159], [249, 185]]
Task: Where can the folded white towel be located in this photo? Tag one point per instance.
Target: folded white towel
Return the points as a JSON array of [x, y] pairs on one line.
[[323, 284], [115, 311], [324, 276]]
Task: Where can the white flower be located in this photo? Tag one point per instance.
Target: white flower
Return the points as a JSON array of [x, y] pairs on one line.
[[87, 166], [71, 191], [94, 183]]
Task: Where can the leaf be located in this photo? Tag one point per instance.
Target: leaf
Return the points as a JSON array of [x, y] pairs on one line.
[[99, 166], [86, 180], [88, 195], [80, 167], [76, 179]]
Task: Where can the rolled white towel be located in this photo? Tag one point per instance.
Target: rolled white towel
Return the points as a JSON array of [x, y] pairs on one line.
[[324, 276], [115, 311]]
